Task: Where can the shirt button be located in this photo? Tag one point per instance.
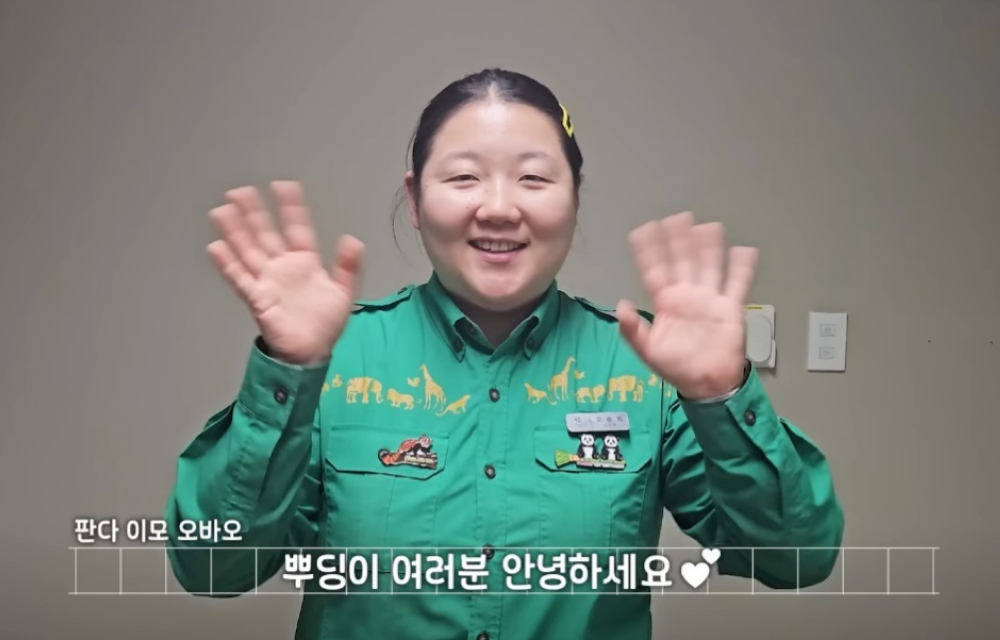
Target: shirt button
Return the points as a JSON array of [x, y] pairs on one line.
[[281, 395], [750, 417], [483, 636], [494, 394], [489, 471], [488, 551]]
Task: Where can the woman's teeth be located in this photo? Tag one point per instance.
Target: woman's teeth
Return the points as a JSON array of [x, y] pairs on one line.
[[497, 247]]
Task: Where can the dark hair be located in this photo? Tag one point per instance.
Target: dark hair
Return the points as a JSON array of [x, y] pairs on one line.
[[500, 84]]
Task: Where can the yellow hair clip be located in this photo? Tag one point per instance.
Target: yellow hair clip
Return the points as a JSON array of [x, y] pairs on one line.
[[567, 125]]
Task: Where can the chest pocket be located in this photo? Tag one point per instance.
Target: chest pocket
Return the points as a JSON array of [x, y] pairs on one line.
[[382, 485], [592, 494]]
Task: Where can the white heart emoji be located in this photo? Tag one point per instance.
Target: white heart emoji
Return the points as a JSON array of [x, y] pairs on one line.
[[694, 574], [710, 555]]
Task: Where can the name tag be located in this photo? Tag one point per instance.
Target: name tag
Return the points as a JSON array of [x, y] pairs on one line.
[[600, 446], [603, 422]]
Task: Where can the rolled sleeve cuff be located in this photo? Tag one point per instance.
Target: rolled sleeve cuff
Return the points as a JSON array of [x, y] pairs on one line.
[[278, 392], [744, 424]]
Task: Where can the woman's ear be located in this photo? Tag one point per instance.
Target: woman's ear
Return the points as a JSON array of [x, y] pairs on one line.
[[410, 185]]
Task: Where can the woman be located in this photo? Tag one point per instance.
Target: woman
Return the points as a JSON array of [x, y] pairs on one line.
[[485, 410]]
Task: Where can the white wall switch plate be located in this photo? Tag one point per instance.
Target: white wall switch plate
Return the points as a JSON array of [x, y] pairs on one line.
[[827, 341], [761, 347]]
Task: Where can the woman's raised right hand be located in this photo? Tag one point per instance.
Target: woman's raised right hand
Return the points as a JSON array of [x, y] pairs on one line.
[[300, 307]]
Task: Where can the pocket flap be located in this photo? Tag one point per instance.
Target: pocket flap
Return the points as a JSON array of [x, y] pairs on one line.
[[557, 450], [362, 448]]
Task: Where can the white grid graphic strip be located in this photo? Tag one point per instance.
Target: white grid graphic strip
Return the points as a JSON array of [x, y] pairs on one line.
[[675, 581]]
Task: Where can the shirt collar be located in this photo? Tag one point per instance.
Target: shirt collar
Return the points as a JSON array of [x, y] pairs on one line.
[[459, 332]]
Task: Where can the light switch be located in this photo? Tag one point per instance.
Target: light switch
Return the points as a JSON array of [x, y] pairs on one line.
[[760, 349], [827, 342]]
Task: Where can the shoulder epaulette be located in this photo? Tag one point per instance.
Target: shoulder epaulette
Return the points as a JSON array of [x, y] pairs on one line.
[[387, 302], [609, 312]]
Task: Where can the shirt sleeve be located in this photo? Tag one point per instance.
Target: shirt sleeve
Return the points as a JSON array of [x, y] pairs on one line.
[[257, 461], [737, 475]]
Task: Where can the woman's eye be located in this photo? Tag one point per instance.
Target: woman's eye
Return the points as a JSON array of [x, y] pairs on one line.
[[534, 178], [463, 177]]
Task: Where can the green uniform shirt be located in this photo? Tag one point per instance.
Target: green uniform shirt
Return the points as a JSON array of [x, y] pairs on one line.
[[330, 456]]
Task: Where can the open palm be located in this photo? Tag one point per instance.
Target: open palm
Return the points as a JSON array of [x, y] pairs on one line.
[[299, 306], [697, 339]]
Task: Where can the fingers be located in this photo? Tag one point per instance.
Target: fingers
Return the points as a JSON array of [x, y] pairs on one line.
[[231, 268], [257, 219], [346, 270], [680, 252], [650, 258], [244, 224], [674, 250], [295, 220], [233, 228], [708, 240], [633, 327], [742, 265]]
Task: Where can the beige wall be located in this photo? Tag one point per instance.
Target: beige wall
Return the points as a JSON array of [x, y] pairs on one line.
[[857, 143]]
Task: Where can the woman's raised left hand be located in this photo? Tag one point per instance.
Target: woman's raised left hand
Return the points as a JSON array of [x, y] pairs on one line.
[[697, 340]]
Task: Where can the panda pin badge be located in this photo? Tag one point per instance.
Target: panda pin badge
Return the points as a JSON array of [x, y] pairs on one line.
[[599, 441]]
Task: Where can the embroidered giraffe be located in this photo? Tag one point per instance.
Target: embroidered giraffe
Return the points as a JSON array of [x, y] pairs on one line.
[[432, 390], [559, 383]]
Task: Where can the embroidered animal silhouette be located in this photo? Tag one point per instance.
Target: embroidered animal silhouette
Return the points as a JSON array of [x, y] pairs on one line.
[[398, 399], [590, 394], [537, 395], [559, 383], [622, 385], [364, 386], [433, 393], [455, 407], [336, 382]]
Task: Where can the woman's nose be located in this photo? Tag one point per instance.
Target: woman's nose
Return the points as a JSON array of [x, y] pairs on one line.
[[498, 205]]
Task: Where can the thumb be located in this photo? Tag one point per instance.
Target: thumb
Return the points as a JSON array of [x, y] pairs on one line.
[[346, 270], [633, 327]]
